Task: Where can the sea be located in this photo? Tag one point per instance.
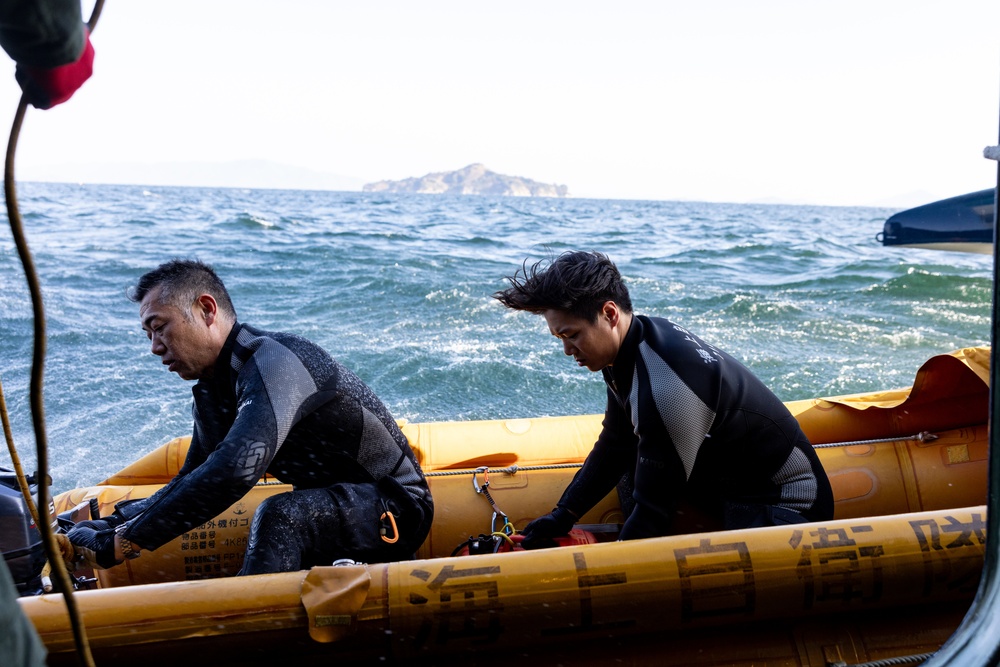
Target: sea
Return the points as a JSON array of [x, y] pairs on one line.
[[398, 287]]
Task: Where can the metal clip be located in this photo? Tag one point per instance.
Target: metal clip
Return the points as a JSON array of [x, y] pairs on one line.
[[385, 525], [485, 491], [485, 470]]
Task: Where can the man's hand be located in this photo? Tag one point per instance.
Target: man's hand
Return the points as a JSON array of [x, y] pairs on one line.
[[45, 88], [95, 543], [539, 533]]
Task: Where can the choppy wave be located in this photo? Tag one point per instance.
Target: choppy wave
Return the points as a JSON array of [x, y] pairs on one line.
[[398, 287]]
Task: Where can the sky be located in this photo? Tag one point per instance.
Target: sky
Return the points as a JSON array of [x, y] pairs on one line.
[[854, 102]]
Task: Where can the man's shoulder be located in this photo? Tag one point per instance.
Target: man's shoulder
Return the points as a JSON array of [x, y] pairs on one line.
[[250, 336], [676, 345], [652, 321], [252, 342], [658, 328]]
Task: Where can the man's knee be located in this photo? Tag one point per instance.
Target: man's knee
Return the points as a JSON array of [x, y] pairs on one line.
[[277, 540], [280, 512]]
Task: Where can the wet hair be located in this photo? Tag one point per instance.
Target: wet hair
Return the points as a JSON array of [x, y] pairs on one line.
[[579, 283], [181, 281]]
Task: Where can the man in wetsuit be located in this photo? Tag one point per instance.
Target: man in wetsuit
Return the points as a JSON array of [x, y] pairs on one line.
[[693, 437], [267, 402]]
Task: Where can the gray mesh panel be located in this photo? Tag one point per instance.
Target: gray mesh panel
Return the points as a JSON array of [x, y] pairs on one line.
[[378, 452], [797, 482], [285, 379], [686, 416]]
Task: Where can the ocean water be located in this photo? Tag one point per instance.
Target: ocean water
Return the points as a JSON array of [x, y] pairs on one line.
[[398, 288]]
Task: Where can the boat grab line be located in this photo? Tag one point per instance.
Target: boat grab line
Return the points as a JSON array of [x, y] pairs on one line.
[[923, 436], [510, 470]]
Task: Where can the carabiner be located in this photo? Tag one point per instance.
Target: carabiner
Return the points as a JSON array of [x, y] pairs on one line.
[[486, 479], [384, 525], [383, 529], [485, 491]]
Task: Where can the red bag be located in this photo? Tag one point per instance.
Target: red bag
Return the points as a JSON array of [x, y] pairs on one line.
[[499, 543]]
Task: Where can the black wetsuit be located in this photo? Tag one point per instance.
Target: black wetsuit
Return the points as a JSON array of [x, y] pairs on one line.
[[279, 403], [696, 430]]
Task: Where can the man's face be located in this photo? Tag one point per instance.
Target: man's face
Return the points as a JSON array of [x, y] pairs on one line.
[[181, 339], [594, 345]]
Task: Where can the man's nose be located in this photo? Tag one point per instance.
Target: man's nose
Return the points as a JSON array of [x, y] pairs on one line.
[[156, 347], [567, 348]]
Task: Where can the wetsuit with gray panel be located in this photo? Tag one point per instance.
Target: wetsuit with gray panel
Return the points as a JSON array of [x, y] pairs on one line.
[[689, 430], [278, 403]]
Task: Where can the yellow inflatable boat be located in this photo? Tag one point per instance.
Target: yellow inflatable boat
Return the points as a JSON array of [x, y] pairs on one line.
[[892, 575]]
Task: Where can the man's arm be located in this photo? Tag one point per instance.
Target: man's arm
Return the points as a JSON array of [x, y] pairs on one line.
[[613, 453], [270, 390], [604, 467], [228, 474]]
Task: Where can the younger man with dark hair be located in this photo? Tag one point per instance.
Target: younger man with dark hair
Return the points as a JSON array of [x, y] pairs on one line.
[[702, 440]]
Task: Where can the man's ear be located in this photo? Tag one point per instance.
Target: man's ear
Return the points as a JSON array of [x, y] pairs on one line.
[[611, 312], [206, 308]]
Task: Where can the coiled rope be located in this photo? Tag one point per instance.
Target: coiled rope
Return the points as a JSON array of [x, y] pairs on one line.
[[52, 549]]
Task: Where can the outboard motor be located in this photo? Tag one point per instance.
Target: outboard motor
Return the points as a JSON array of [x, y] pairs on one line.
[[20, 541]]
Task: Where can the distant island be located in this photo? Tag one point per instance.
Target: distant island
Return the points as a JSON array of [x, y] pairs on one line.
[[475, 179]]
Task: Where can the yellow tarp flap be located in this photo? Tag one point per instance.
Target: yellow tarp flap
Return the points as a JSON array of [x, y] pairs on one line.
[[950, 374], [949, 391], [332, 597]]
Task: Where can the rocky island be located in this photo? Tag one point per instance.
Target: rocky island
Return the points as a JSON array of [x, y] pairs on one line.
[[475, 179]]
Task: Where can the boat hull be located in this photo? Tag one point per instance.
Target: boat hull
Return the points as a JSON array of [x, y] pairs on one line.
[[908, 470], [551, 600]]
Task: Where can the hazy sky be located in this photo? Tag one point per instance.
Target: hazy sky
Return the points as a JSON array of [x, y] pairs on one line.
[[849, 102]]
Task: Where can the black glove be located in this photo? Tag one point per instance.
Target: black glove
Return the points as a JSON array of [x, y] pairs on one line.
[[539, 533], [94, 543], [104, 523], [121, 514]]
